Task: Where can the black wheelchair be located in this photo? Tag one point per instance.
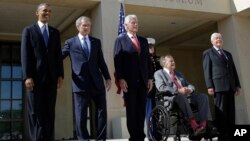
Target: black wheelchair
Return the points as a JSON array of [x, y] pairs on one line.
[[166, 119]]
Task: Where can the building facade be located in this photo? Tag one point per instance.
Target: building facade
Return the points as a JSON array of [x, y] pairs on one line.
[[180, 27]]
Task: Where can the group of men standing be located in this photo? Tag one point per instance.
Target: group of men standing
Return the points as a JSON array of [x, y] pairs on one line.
[[42, 64]]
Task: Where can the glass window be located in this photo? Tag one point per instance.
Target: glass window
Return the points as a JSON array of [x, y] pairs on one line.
[[17, 131], [17, 89], [17, 109], [17, 72], [5, 109], [11, 93], [5, 131], [5, 90], [5, 71]]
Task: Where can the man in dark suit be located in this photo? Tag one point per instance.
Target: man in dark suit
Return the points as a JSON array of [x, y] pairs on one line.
[[42, 68], [88, 70], [222, 82], [169, 80], [134, 73]]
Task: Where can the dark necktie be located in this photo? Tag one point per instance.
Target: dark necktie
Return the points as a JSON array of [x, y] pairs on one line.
[[172, 75], [85, 46], [222, 54], [136, 44], [45, 35]]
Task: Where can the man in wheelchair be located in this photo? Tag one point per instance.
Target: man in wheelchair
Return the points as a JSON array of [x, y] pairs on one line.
[[173, 82]]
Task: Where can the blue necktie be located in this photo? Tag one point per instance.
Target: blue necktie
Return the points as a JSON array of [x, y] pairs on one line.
[[45, 35], [85, 46]]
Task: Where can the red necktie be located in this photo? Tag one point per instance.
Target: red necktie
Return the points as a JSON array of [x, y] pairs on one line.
[[174, 79], [135, 42]]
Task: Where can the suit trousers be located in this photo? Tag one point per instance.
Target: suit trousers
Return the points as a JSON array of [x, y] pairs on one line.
[[41, 111], [81, 102], [135, 100], [200, 100], [225, 113]]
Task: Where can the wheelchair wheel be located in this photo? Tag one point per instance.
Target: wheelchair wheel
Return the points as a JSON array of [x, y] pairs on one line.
[[159, 124]]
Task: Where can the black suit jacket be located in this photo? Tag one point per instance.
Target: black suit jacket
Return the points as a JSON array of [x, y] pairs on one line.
[[129, 65], [84, 69], [219, 73], [38, 60]]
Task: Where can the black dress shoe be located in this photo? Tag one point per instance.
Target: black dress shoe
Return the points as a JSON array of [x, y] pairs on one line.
[[200, 131], [211, 133]]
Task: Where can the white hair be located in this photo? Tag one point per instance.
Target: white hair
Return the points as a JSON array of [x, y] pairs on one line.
[[216, 34]]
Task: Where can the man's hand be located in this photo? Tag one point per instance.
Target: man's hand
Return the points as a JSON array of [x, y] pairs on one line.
[[123, 85], [210, 91], [150, 85], [29, 84], [237, 92], [108, 84], [59, 82]]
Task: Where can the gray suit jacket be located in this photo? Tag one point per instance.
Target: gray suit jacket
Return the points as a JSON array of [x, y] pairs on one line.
[[164, 82]]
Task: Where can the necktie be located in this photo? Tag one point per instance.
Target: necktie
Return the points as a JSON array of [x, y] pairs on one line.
[[222, 54], [174, 80], [85, 46], [136, 44], [45, 35]]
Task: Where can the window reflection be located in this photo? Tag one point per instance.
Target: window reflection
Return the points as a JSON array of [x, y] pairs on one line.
[[16, 72], [17, 109], [16, 89], [5, 71], [4, 109], [5, 131], [5, 90]]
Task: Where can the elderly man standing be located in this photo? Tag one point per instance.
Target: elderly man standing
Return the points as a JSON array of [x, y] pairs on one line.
[[134, 73], [223, 83]]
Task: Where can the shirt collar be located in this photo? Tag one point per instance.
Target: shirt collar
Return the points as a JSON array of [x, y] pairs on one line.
[[216, 48], [167, 70], [40, 24], [80, 36], [130, 35]]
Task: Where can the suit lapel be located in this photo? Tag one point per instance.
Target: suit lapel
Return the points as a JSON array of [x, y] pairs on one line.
[[131, 44]]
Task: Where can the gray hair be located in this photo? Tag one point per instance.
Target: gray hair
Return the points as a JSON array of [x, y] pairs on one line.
[[163, 59], [128, 18], [39, 7], [79, 20], [215, 35]]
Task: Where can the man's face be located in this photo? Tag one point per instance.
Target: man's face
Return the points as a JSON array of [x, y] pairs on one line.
[[132, 26], [44, 13], [217, 40], [169, 63], [151, 49], [84, 27]]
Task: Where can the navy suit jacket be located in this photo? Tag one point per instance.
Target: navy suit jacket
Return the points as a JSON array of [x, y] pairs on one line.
[[128, 64], [219, 73], [84, 69], [164, 82], [37, 60]]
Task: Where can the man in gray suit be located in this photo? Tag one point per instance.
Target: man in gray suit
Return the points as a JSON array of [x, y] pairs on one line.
[[223, 83], [169, 80]]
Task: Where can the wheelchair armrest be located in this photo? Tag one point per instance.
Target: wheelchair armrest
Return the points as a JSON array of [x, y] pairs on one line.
[[165, 93]]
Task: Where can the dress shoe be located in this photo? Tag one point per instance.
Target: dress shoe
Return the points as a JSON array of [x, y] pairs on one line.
[[200, 131], [211, 133]]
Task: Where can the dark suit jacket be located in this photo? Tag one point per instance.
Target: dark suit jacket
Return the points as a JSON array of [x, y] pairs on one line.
[[86, 70], [219, 73], [128, 64], [37, 60], [164, 82]]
